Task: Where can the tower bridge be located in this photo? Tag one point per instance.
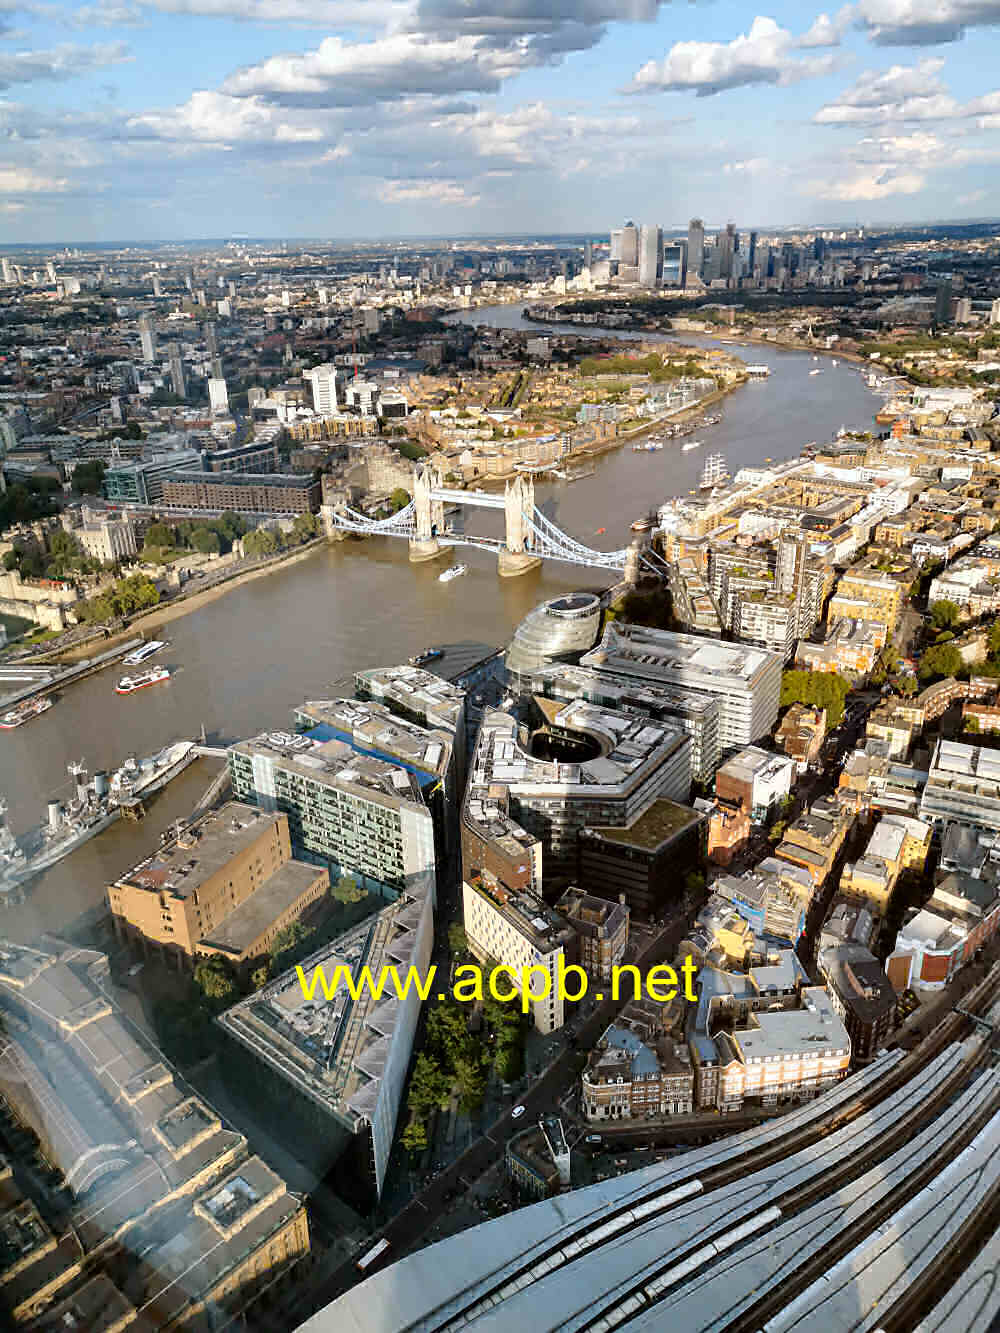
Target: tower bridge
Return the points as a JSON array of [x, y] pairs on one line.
[[529, 535]]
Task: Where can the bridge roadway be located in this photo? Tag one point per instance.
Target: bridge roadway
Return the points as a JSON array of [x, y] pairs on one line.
[[743, 1222]]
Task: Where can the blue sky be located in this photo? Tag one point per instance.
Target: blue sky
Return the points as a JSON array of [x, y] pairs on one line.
[[149, 119]]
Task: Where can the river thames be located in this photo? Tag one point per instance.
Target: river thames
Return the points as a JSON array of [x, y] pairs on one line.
[[243, 661]]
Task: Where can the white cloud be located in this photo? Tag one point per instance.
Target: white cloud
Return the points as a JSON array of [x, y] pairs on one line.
[[342, 73], [435, 192], [214, 118], [23, 180], [765, 54], [59, 62], [973, 197], [902, 92], [317, 13], [749, 166], [826, 31], [923, 22], [868, 183]]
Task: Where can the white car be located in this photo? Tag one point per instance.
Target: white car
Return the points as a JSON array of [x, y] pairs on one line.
[[517, 1112]]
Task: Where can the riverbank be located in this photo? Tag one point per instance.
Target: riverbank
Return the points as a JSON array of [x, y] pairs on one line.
[[185, 604]]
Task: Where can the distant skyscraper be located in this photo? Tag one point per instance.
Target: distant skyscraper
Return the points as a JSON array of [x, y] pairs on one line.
[[217, 367], [218, 395], [650, 256], [50, 270], [177, 372], [148, 338], [995, 311], [696, 247], [727, 248], [324, 388], [752, 252], [211, 346], [588, 254], [157, 287], [8, 270], [630, 245], [942, 302]]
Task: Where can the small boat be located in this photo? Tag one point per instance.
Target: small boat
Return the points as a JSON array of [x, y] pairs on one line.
[[836, 362], [601, 531], [139, 655], [16, 717], [152, 676], [691, 444], [455, 572], [815, 372], [428, 655]]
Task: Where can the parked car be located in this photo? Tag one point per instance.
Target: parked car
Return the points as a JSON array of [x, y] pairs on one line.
[[517, 1112]]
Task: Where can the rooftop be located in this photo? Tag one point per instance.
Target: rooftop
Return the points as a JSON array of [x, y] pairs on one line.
[[815, 1030], [659, 824], [372, 728], [680, 658], [436, 701], [201, 850], [246, 923]]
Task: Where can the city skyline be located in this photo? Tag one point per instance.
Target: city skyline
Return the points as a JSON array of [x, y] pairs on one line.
[[200, 118]]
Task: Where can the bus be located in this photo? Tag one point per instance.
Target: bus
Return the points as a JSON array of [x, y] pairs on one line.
[[376, 1251]]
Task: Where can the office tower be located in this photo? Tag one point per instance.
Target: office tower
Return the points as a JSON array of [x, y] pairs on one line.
[[216, 367], [995, 311], [674, 263], [189, 280], [726, 244], [322, 295], [50, 270], [211, 346], [942, 302], [588, 254], [324, 388], [218, 396], [177, 371], [147, 337], [157, 287], [225, 307], [630, 245], [695, 247], [615, 252], [232, 290], [650, 257], [752, 252], [8, 270], [963, 310]]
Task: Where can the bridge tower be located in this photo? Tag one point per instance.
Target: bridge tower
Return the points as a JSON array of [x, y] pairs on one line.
[[429, 516], [517, 556]]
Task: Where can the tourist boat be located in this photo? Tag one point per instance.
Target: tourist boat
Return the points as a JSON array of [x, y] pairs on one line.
[[143, 777], [153, 676], [691, 444], [815, 372], [714, 473], [139, 655], [455, 572], [16, 717], [428, 655]]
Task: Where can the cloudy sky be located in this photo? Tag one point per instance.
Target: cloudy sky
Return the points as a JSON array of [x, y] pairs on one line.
[[146, 119]]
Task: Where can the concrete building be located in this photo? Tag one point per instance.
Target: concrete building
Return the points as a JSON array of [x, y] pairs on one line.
[[814, 840], [601, 929], [556, 631], [898, 843], [697, 714], [177, 383], [226, 885], [356, 814], [141, 483], [323, 380], [695, 249], [801, 735], [218, 397], [337, 1064], [963, 787], [650, 256], [757, 779], [867, 595], [582, 766], [538, 1159], [150, 1170], [862, 995], [147, 338], [647, 861], [747, 682], [936, 940], [519, 931]]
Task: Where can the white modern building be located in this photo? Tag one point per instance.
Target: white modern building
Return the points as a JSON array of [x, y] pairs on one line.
[[324, 388], [218, 396]]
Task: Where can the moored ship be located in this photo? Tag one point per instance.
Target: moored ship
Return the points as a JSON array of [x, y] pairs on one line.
[[142, 777], [714, 473], [139, 655], [16, 717], [152, 676]]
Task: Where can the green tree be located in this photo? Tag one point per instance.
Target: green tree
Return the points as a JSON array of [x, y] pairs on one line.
[[348, 890], [304, 528], [945, 614], [215, 981], [289, 944], [509, 1063], [11, 560], [399, 499], [263, 541], [941, 660], [470, 1082], [457, 940], [995, 638], [430, 1087], [260, 976], [414, 1136], [88, 477], [159, 534], [971, 724], [206, 542]]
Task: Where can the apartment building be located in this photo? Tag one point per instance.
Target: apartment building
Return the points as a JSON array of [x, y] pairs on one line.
[[746, 681], [636, 1073], [520, 931], [851, 647], [756, 779], [861, 994], [801, 735], [866, 594], [353, 813], [815, 839], [243, 492], [226, 884], [897, 843], [601, 929]]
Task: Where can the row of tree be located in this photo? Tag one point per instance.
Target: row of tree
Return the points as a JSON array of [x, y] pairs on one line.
[[137, 592], [210, 536]]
